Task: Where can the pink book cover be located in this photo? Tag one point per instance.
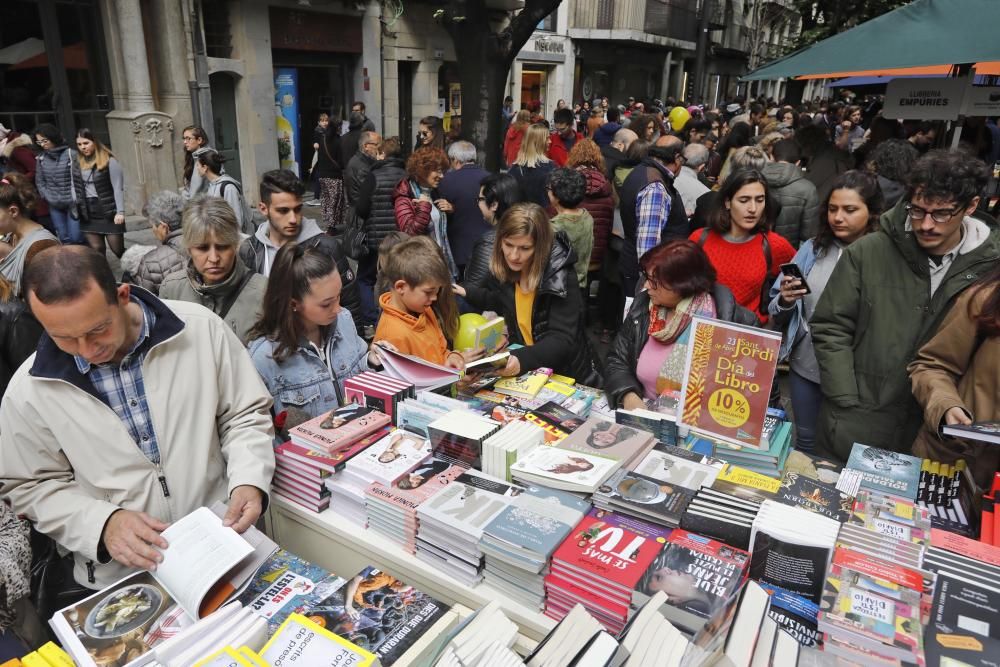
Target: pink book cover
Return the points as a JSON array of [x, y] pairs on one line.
[[376, 396], [417, 486], [309, 504], [299, 478], [303, 469], [308, 457], [422, 374], [339, 428], [295, 484]]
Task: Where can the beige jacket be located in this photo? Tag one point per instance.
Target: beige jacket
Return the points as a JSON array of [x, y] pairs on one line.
[[67, 462]]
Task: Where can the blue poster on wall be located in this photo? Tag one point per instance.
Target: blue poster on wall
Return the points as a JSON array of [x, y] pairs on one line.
[[286, 101]]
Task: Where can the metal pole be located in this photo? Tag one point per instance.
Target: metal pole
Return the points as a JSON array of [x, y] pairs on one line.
[[701, 52]]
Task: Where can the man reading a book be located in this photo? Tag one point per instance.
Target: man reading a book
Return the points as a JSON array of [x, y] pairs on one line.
[[132, 413]]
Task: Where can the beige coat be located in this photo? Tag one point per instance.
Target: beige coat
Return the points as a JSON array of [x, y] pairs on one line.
[[958, 368], [67, 461]]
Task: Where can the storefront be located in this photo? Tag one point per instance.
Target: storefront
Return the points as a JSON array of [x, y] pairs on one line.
[[53, 66], [543, 73]]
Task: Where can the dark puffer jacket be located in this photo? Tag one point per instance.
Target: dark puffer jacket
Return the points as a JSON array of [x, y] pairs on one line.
[[19, 334], [799, 215], [557, 319], [601, 206], [478, 268], [375, 199], [634, 332], [53, 176]]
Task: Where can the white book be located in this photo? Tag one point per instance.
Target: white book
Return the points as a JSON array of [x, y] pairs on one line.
[[564, 469], [390, 458]]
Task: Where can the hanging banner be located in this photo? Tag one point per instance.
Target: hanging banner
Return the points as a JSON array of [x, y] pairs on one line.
[[925, 98], [286, 101]]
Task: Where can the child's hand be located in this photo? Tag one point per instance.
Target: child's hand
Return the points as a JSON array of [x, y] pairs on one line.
[[512, 368], [455, 360], [458, 289], [374, 357], [473, 355]]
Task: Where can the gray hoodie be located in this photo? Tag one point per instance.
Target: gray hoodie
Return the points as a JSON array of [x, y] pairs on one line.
[[798, 213], [308, 230]]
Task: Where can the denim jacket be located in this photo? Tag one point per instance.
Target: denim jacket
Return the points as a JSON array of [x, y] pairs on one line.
[[805, 258], [302, 380]]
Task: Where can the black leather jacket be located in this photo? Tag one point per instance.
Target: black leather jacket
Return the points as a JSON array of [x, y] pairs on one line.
[[634, 332], [557, 320], [19, 334], [478, 268]]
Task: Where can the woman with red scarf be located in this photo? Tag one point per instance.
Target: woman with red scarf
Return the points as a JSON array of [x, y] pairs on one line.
[[647, 358]]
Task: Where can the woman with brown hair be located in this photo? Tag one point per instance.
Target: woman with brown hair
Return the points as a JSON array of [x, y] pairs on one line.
[[22, 237], [195, 141], [430, 133], [418, 209], [533, 285], [586, 158], [304, 345]]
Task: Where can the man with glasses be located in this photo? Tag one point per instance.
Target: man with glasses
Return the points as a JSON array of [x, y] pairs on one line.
[[886, 297], [359, 164], [563, 138]]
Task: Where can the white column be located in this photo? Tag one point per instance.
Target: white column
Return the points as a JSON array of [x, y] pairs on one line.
[[140, 91]]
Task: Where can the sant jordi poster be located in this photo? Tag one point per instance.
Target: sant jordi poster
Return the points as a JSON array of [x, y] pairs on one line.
[[730, 369]]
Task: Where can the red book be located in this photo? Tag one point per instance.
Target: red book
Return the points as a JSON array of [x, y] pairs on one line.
[[879, 569], [294, 484], [299, 468], [339, 429], [294, 476], [611, 548]]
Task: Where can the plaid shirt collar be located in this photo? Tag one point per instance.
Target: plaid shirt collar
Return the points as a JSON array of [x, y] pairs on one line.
[[148, 319]]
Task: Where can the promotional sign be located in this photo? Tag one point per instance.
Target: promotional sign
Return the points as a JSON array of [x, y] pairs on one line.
[[730, 369], [286, 92], [981, 101], [925, 98]]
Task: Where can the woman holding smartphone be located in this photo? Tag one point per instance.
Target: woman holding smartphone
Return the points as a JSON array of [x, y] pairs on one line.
[[850, 211]]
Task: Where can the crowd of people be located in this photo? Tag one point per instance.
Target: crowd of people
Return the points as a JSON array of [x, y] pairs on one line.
[[243, 319]]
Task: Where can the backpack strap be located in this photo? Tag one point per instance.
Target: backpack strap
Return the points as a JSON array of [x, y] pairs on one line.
[[768, 260], [704, 237]]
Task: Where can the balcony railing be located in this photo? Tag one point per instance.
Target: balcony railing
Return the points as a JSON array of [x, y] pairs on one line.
[[677, 19], [608, 14]]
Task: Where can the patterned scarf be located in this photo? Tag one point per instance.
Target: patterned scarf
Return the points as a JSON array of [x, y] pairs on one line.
[[672, 328]]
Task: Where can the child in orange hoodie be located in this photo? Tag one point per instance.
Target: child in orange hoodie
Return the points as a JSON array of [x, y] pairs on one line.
[[418, 276]]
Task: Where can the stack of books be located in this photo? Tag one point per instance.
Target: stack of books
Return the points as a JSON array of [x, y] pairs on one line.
[[524, 386], [883, 471], [485, 639], [384, 462], [563, 469], [457, 437], [625, 444], [555, 420], [299, 476], [792, 548], [949, 494], [721, 516], [815, 496], [794, 614], [600, 565], [519, 541], [502, 449], [651, 640], [663, 426], [451, 523], [378, 391], [562, 644], [392, 509], [769, 461], [870, 609], [698, 574]]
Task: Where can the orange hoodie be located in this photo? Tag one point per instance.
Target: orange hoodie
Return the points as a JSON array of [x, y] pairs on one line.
[[419, 336]]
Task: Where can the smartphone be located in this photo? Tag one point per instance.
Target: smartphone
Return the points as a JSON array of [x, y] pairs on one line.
[[793, 271]]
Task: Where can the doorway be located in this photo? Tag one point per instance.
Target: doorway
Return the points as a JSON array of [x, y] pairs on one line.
[[405, 93], [322, 90], [533, 84], [227, 137]]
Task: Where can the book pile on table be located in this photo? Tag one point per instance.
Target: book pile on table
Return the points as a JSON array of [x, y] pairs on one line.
[[484, 640], [451, 523], [663, 426], [457, 437], [600, 565], [319, 448], [519, 541], [392, 509], [721, 516], [378, 391], [502, 449], [776, 442], [383, 462]]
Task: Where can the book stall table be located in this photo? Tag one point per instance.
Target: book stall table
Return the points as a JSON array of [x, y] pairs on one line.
[[341, 546]]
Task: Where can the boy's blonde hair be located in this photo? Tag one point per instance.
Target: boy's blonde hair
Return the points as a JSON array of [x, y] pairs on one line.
[[419, 260], [523, 220]]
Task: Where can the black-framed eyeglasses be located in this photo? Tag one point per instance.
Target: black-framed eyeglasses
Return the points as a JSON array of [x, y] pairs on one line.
[[645, 278], [481, 199], [939, 216]]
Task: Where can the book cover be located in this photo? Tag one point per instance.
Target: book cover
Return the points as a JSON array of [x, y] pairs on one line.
[[564, 469], [524, 386], [391, 457], [746, 484], [959, 605], [490, 335], [602, 438], [794, 566], [339, 428], [980, 431], [663, 427], [469, 503], [673, 465], [657, 501], [378, 612], [538, 519], [613, 547], [416, 486], [815, 496], [885, 471], [283, 584], [795, 614], [729, 373], [552, 432], [698, 574], [302, 640], [565, 420]]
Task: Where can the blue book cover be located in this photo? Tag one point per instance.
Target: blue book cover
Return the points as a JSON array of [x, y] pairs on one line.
[[538, 519], [284, 584], [794, 613], [886, 472]]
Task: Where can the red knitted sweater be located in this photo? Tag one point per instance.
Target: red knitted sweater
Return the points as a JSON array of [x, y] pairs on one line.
[[741, 266]]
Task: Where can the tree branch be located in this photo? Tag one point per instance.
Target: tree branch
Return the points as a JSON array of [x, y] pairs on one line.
[[524, 23]]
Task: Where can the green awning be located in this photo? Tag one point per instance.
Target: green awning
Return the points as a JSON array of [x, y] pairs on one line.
[[923, 34]]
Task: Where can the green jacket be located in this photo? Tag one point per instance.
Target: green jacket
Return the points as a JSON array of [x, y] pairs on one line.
[[873, 316]]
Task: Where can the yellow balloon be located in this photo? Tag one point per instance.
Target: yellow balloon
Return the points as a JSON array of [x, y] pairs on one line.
[[465, 339], [678, 117]]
